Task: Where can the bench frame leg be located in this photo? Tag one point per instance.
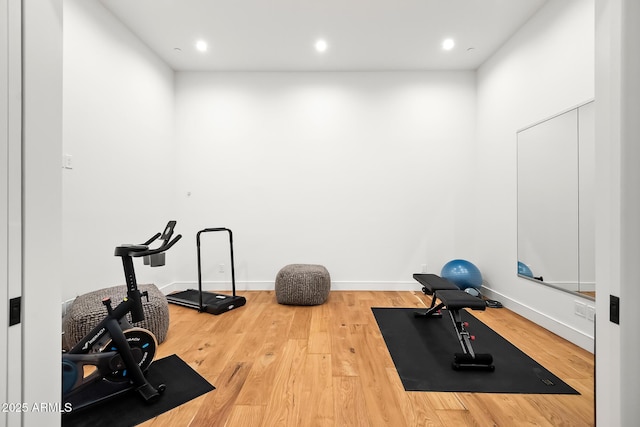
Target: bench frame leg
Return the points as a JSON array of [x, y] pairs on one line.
[[468, 359]]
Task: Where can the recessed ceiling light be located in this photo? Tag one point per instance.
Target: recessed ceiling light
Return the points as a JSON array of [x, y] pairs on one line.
[[321, 45], [201, 45], [448, 44]]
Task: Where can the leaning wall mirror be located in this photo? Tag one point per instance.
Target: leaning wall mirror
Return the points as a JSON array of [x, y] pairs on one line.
[[556, 183]]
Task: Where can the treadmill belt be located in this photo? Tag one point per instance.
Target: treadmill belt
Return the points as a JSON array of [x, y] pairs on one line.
[[192, 296]]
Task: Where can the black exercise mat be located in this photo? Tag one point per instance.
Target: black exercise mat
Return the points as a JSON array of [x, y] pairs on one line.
[[183, 384], [422, 350]]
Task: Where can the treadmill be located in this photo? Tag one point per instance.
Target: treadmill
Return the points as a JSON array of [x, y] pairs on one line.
[[209, 302]]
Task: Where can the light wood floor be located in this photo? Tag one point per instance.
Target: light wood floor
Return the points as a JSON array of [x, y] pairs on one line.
[[327, 365]]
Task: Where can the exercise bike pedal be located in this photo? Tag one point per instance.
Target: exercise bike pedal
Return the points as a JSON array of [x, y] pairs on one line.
[[149, 393]]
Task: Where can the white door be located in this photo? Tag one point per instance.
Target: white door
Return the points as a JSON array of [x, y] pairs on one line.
[[11, 209]]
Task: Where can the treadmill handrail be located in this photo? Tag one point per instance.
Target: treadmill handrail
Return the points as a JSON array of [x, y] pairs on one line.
[[233, 272]]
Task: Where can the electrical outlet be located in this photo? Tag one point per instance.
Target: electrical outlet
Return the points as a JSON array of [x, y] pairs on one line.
[[67, 161], [220, 268], [580, 309], [591, 313], [423, 268]]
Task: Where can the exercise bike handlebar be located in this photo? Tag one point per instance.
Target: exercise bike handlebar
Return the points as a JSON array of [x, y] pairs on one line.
[[144, 250], [151, 240], [160, 249]]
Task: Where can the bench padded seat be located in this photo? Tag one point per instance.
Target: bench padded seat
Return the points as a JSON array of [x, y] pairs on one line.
[[457, 299], [432, 283]]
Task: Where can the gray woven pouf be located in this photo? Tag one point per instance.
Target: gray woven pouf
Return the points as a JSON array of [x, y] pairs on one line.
[[87, 310], [303, 284]]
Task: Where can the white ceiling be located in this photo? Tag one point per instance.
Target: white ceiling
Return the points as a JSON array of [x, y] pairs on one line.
[[278, 35]]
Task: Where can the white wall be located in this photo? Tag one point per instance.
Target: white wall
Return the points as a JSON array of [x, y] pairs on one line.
[[546, 68], [366, 173], [118, 128]]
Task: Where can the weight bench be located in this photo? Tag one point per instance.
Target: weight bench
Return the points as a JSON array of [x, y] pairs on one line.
[[454, 299]]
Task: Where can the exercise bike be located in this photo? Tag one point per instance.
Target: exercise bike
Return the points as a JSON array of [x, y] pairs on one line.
[[118, 353]]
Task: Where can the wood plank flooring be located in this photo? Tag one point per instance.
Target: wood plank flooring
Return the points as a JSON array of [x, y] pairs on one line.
[[328, 365]]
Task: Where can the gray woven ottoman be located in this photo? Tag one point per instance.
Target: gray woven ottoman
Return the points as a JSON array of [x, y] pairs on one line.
[[87, 310], [303, 284]]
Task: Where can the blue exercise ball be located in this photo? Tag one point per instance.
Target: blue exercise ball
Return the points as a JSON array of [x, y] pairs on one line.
[[524, 270], [463, 273]]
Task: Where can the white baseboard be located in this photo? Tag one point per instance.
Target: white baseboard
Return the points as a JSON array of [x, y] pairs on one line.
[[225, 286], [588, 286], [556, 326]]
